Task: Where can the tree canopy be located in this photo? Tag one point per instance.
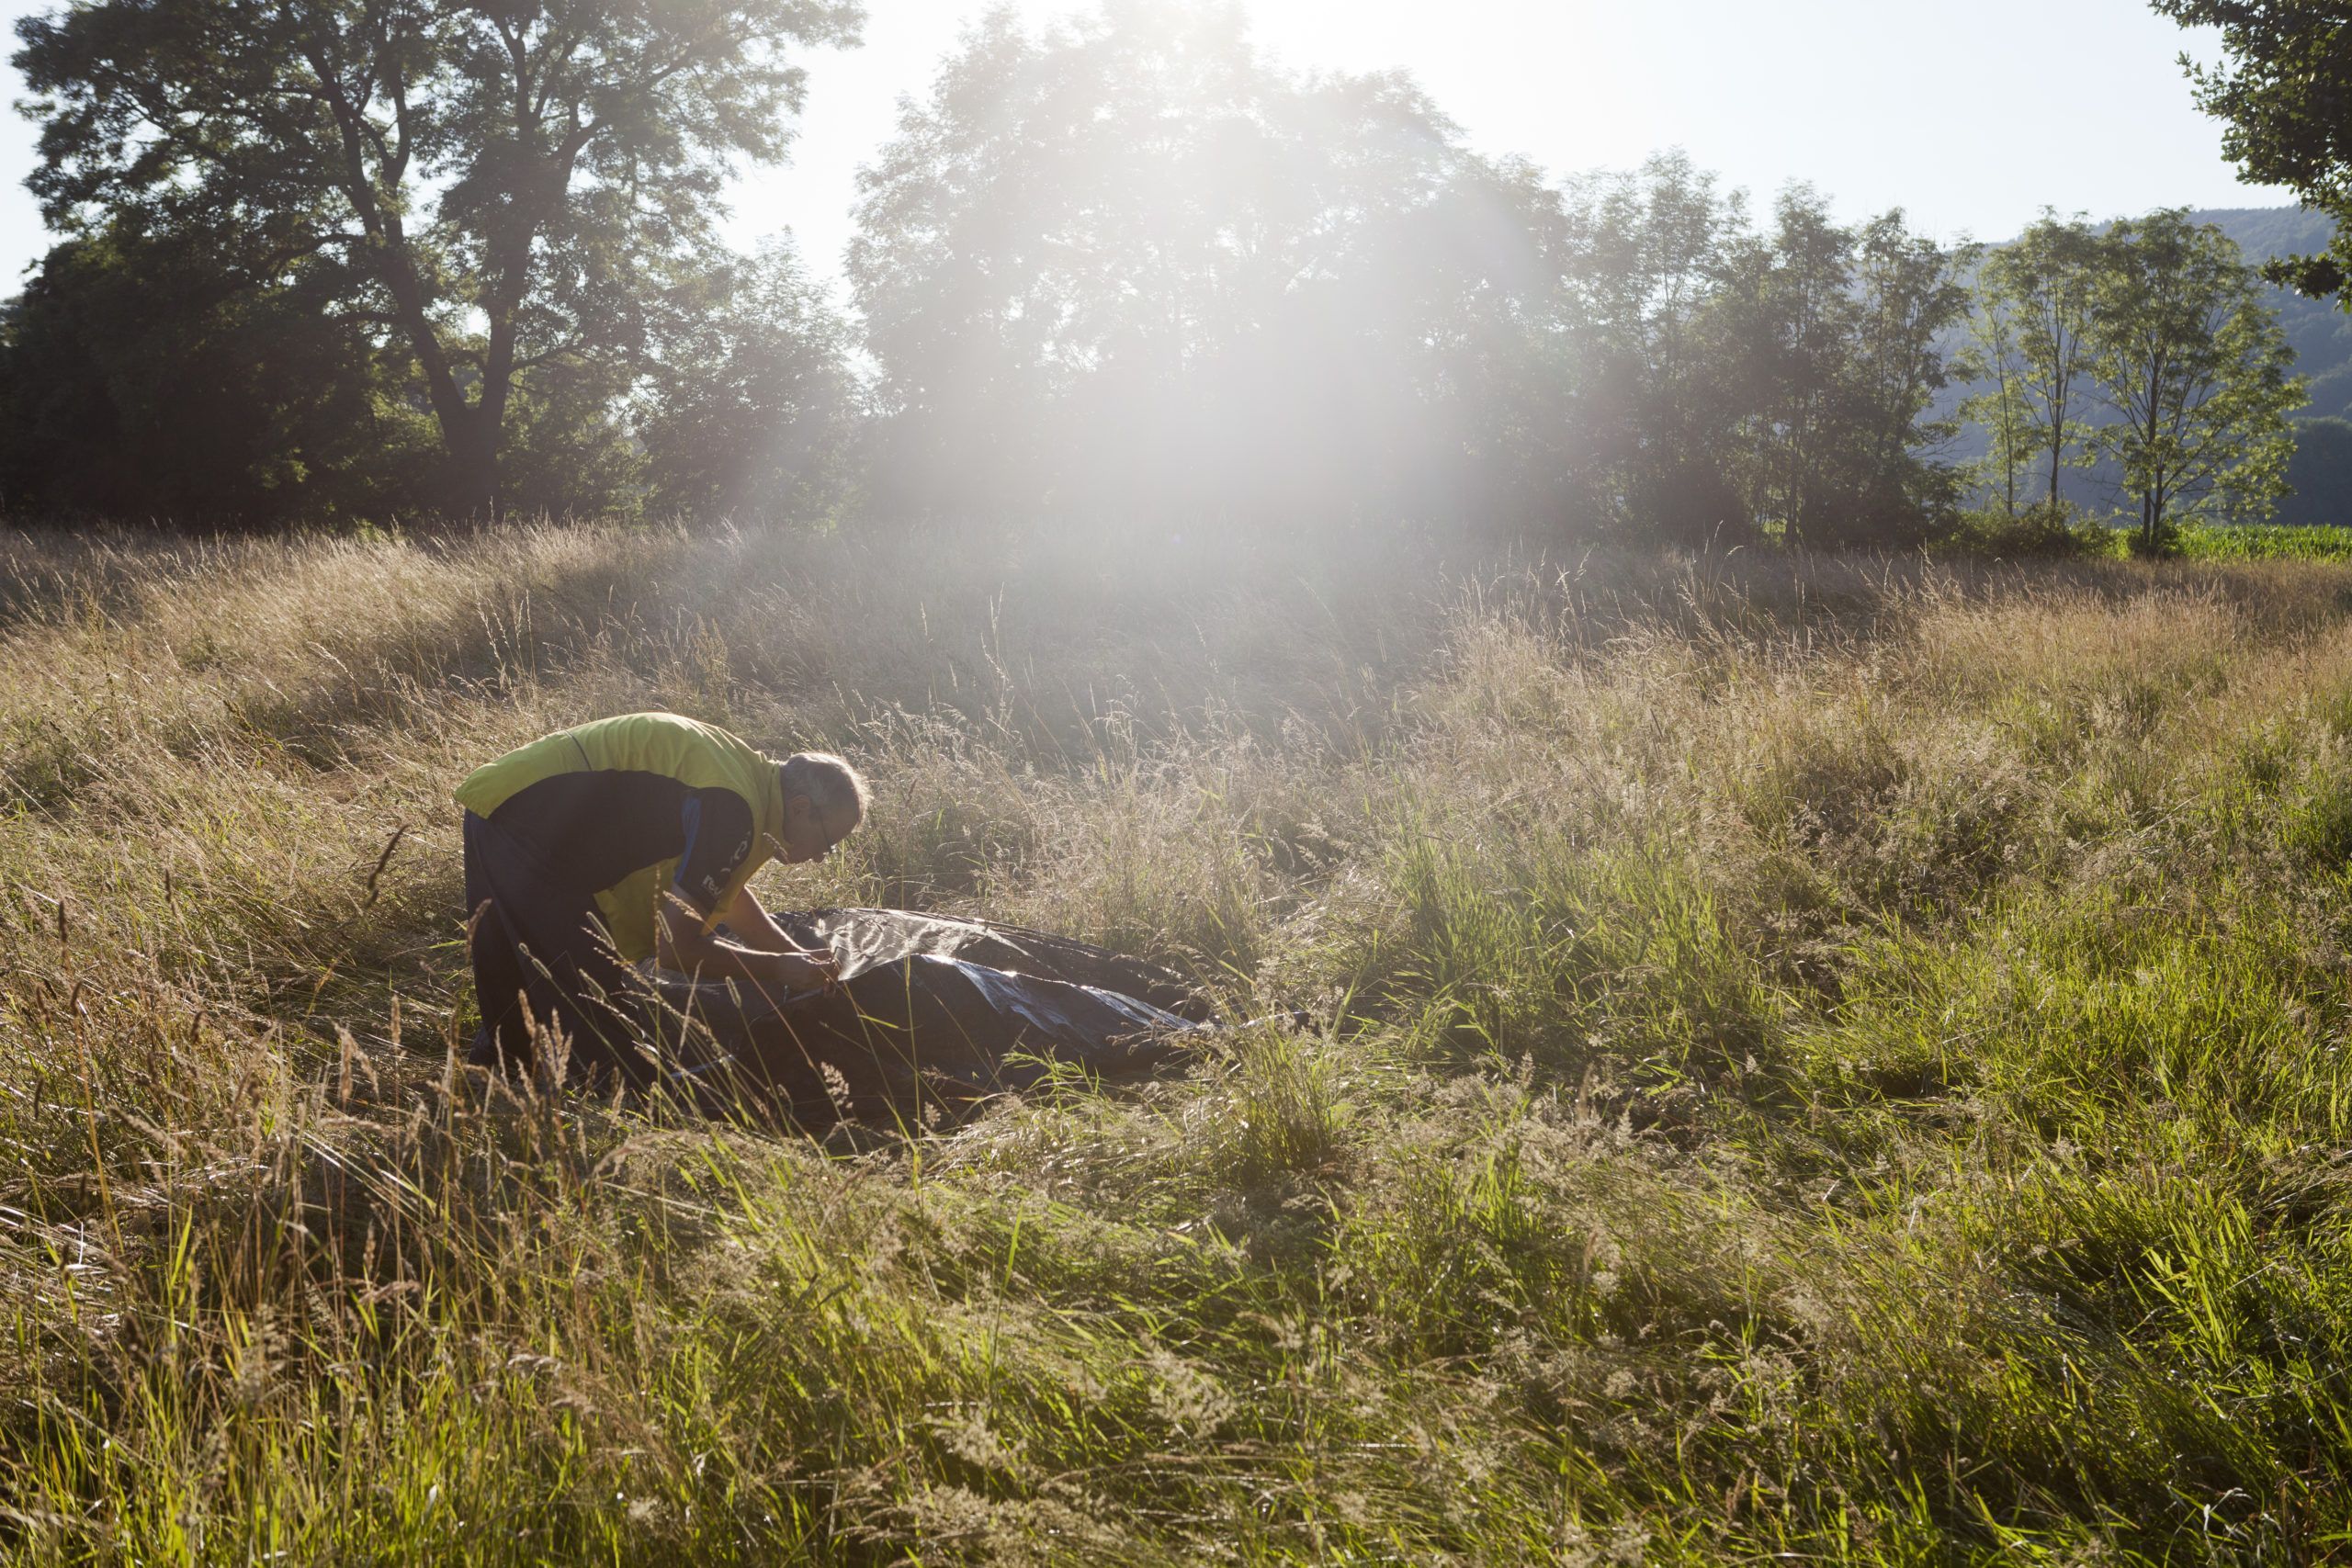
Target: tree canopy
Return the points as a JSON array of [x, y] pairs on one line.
[[133, 384], [2041, 288], [2284, 88], [2192, 366], [493, 183], [749, 404], [1093, 255], [1124, 272], [1128, 267]]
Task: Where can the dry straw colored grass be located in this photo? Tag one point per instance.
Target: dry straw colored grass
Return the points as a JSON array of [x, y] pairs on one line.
[[1839, 1059]]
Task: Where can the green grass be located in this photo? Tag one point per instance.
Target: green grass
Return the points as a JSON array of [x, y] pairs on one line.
[[2265, 541], [1826, 1060]]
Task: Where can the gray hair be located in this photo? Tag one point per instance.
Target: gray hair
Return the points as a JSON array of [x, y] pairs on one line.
[[830, 783]]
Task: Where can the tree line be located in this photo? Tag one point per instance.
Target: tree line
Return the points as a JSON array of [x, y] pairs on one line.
[[2148, 343], [373, 258]]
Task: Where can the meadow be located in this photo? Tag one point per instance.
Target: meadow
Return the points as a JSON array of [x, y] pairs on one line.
[[2265, 541], [1829, 1059]]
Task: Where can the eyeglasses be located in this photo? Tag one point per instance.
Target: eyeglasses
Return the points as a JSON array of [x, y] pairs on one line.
[[832, 841]]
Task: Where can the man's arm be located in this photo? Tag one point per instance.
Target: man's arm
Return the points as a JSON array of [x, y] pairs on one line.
[[682, 945], [748, 919], [718, 829]]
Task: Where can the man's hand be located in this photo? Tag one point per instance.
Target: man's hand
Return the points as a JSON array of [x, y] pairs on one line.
[[683, 945], [811, 969]]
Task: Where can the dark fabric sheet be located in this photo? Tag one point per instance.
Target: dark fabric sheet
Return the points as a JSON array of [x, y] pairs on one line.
[[934, 1016]]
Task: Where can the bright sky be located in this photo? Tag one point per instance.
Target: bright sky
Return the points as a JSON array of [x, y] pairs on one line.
[[1972, 116]]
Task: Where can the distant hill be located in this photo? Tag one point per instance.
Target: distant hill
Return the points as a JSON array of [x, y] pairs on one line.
[[2321, 332]]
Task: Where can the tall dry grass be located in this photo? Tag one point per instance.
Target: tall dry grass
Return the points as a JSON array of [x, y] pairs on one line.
[[1837, 1058]]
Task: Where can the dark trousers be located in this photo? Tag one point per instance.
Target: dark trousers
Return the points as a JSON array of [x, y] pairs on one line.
[[542, 958]]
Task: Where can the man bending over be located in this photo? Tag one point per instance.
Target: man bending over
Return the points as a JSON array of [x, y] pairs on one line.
[[590, 848]]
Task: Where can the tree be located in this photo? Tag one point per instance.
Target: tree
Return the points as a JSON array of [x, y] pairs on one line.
[[1909, 294], [1994, 354], [2284, 85], [1784, 316], [1832, 344], [133, 384], [2188, 357], [489, 182], [2044, 284], [1653, 423], [748, 404], [1128, 269], [138, 383]]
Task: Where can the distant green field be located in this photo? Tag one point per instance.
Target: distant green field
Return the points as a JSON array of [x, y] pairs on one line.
[[2265, 542]]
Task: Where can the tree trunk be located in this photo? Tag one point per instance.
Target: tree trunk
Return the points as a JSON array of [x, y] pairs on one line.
[[2057, 445], [2008, 444], [2009, 464], [469, 466], [2057, 449]]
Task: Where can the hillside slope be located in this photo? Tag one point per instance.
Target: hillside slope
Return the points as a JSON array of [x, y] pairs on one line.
[[2320, 331]]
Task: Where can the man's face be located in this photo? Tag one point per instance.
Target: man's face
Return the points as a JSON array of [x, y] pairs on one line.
[[808, 833]]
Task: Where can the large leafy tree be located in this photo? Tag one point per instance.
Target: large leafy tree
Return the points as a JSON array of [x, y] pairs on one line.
[[748, 405], [2284, 87], [1653, 428], [488, 183], [1791, 311], [1909, 293], [2042, 285], [134, 384], [1833, 351], [2187, 355], [1127, 267], [137, 381]]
